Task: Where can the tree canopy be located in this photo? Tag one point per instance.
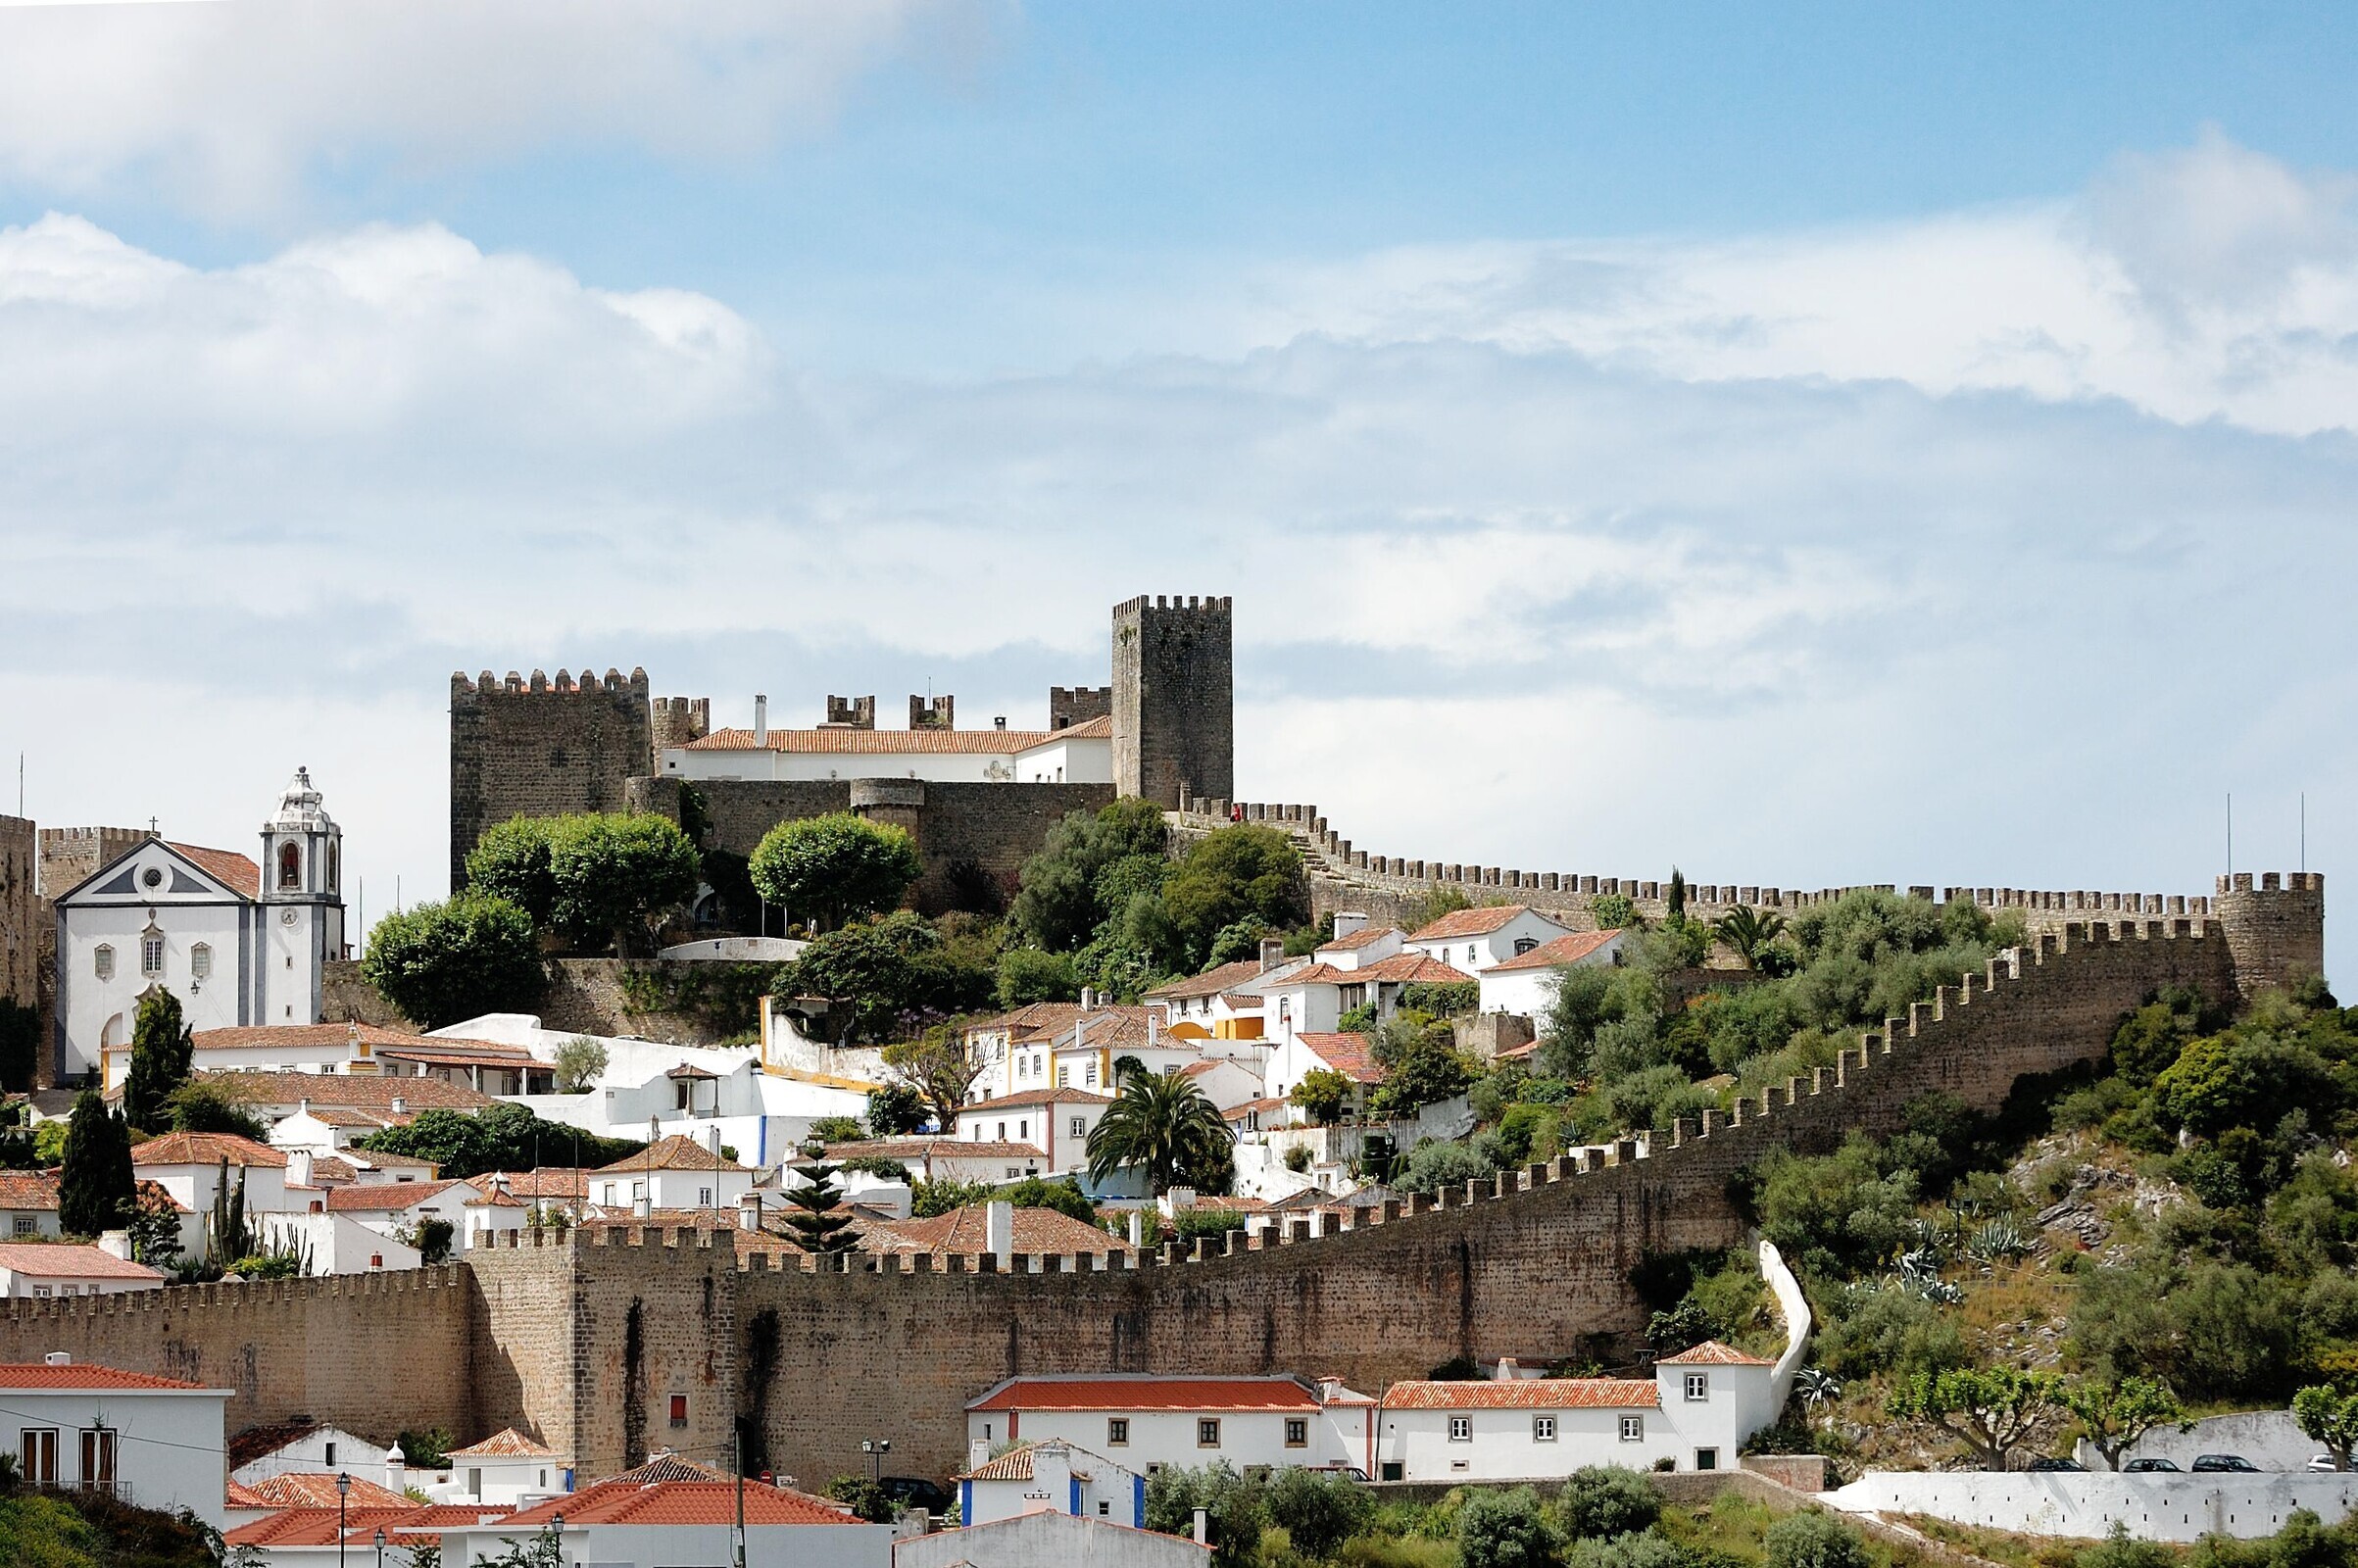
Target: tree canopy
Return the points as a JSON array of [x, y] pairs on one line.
[[161, 1052], [502, 1137], [595, 878], [96, 1188], [892, 975], [1164, 1124], [827, 869], [447, 962]]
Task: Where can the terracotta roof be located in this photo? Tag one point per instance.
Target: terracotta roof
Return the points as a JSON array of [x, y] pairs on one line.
[[249, 1036], [1346, 1054], [1414, 968], [1527, 1393], [261, 1442], [1146, 1393], [1563, 949], [372, 1092], [961, 1230], [316, 1526], [1088, 729], [683, 1503], [380, 1159], [1712, 1354], [317, 1488], [663, 1467], [85, 1375], [384, 1197], [686, 1070], [237, 1495], [1318, 974], [227, 866], [885, 742], [1016, 1465], [463, 1053], [328, 1169], [507, 1443], [27, 1188], [675, 1153], [71, 1260], [207, 1148], [1470, 922], [1366, 936], [1211, 983], [546, 1181], [1039, 1097], [905, 1148], [1040, 1018], [1239, 1112]]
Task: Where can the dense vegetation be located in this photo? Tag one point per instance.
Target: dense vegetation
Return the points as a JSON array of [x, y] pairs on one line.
[[90, 1530], [504, 1137]]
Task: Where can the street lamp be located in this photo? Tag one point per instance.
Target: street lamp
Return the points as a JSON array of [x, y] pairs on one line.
[[343, 1491], [380, 1546], [876, 1449]]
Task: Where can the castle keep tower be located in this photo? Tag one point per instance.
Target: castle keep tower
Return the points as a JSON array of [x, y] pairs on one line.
[[542, 748], [1174, 726]]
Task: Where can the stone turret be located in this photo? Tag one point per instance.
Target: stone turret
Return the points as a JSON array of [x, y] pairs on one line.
[[2276, 931]]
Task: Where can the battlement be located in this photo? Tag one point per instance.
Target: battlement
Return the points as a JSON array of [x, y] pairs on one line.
[[1208, 604], [1069, 706], [938, 714], [1174, 697], [539, 684], [850, 712]]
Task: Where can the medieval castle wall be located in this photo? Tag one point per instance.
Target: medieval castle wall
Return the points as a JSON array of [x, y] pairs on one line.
[[19, 913], [583, 1342], [539, 748], [1174, 708]]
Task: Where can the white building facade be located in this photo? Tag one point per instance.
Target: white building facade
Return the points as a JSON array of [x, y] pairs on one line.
[[154, 1441], [1148, 1422]]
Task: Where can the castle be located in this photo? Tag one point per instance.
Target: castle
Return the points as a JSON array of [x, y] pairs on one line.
[[979, 802]]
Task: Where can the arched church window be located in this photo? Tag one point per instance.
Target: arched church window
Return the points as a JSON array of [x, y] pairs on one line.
[[290, 865]]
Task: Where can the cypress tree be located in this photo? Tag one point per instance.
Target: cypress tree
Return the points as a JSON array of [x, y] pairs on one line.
[[815, 1223], [95, 1189], [163, 1050]]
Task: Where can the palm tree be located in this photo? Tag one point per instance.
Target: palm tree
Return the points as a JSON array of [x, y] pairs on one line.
[[1749, 932], [1161, 1121]]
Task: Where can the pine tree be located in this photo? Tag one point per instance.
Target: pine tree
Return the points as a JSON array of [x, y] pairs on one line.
[[95, 1188], [161, 1052], [815, 1223]]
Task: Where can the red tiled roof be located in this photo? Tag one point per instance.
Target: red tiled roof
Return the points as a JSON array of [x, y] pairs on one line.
[[326, 1168], [239, 1495], [227, 867], [507, 1443], [676, 1152], [1713, 1353], [462, 1054], [961, 1230], [260, 1441], [317, 1488], [1148, 1393], [1211, 983], [1527, 1393], [1317, 974], [83, 1375], [1346, 1054], [1366, 936], [1239, 1112], [663, 1467], [1414, 968], [71, 1260], [243, 1036], [905, 1148], [889, 742], [384, 1197], [1469, 922], [1039, 1097], [1013, 1465], [316, 1526], [372, 1092], [546, 1181], [207, 1148], [1563, 949], [27, 1188], [683, 1503]]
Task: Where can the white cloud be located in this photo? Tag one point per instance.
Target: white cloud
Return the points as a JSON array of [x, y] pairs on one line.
[[229, 107], [1591, 594]]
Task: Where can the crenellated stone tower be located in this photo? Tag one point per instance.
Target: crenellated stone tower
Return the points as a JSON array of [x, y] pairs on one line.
[[1174, 723]]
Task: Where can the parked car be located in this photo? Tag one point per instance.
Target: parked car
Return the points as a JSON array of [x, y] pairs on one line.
[[2057, 1464], [2323, 1462], [914, 1492], [2214, 1463], [2146, 1467]]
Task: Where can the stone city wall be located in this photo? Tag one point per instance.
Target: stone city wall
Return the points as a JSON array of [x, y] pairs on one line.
[[533, 747], [19, 913]]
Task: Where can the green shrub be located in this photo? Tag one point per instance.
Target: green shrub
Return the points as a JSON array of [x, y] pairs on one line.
[[1600, 1501], [1506, 1529], [1812, 1539]]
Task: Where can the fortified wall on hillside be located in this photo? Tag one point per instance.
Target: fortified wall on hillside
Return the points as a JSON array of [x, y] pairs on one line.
[[534, 746], [586, 1342]]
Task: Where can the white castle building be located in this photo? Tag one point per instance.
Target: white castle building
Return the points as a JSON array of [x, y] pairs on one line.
[[239, 944]]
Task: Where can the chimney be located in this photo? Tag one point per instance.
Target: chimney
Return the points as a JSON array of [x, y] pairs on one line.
[[115, 1244], [1203, 1528], [401, 1105], [999, 1230], [397, 1464], [1349, 921], [642, 1206], [1506, 1369], [298, 1168], [1138, 1227], [749, 1211], [1273, 953], [978, 1453], [711, 1142], [760, 720], [58, 1358], [1000, 722], [302, 1107], [1088, 998]]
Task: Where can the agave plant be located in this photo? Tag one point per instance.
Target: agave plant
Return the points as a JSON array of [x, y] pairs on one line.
[[1942, 1293], [1918, 1266], [1817, 1387], [1995, 1241]]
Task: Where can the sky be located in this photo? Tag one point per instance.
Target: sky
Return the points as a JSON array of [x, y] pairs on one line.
[[1804, 444]]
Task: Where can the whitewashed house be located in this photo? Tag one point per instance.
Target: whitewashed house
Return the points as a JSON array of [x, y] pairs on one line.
[[301, 1448], [42, 1270], [624, 1523], [673, 1172], [1146, 1422], [506, 1468], [1695, 1412], [1472, 940], [1526, 983], [1313, 1000], [1056, 1122], [1053, 1476], [946, 1159], [150, 1441], [27, 1204], [1302, 1054], [930, 749], [236, 943]]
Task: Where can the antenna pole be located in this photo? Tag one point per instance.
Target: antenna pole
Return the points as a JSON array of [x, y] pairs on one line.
[[2231, 832]]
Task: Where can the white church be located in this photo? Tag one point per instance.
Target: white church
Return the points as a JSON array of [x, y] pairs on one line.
[[241, 944]]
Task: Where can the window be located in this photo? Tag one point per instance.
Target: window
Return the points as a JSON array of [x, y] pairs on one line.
[[1015, 1173], [1633, 1429], [1003, 1132], [331, 1456], [1351, 997], [1469, 957], [1542, 1429], [1104, 1509], [1207, 1433], [151, 953], [1064, 1075], [474, 1482], [102, 962], [1078, 1127], [36, 1456], [40, 1289], [1023, 1130], [1461, 1429], [28, 1225], [1699, 1386], [200, 962], [1298, 1431], [1706, 1458], [1524, 944], [1037, 1069], [1118, 1431], [98, 1458], [679, 1410], [1089, 1074], [1023, 1066], [290, 865], [703, 1198]]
